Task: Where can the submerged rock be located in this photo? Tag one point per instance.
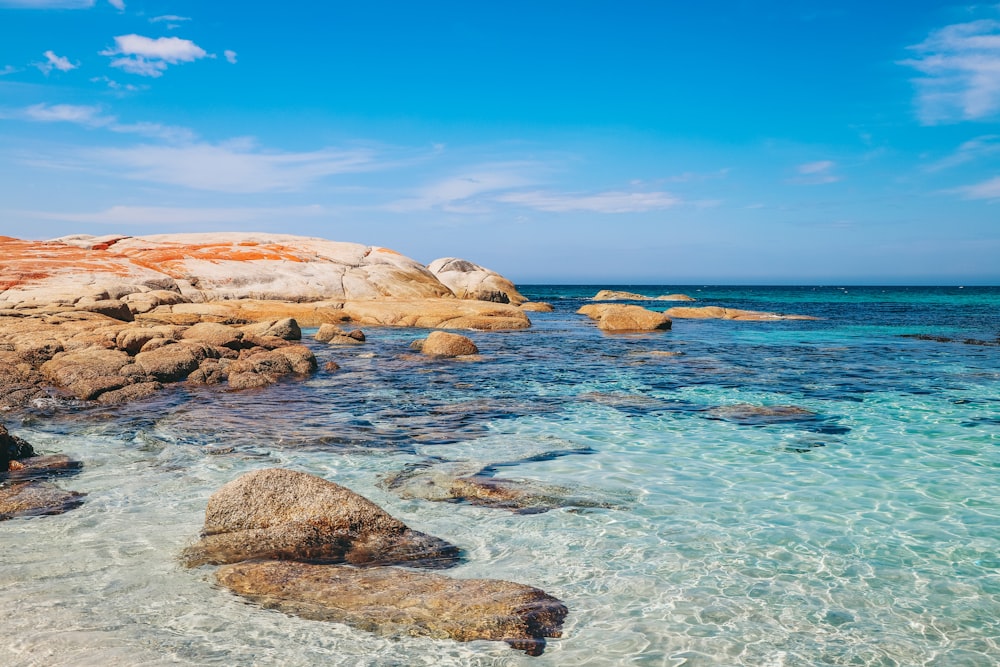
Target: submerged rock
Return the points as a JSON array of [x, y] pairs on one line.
[[287, 515], [475, 485], [35, 498], [394, 602], [620, 318], [751, 415]]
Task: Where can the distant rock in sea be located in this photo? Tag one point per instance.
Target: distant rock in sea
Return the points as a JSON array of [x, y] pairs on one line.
[[614, 295]]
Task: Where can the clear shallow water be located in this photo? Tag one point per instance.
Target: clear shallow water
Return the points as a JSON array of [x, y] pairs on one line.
[[866, 535]]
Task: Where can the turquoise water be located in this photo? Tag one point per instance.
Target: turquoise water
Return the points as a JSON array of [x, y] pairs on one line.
[[865, 532]]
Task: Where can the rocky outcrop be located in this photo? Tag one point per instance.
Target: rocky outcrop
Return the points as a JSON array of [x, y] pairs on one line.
[[204, 267], [622, 319], [403, 602], [93, 358], [537, 307], [334, 335], [435, 314], [471, 281], [444, 344], [614, 295], [719, 313], [12, 450], [286, 515]]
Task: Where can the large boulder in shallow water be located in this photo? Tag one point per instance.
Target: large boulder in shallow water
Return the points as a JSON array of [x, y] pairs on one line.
[[444, 344], [393, 601], [471, 281], [287, 515], [34, 498], [616, 318]]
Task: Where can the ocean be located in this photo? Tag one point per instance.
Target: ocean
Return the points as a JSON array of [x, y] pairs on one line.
[[856, 523]]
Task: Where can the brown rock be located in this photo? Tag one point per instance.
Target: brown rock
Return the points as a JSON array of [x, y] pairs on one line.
[[444, 344], [403, 602], [287, 515], [537, 307], [128, 393], [286, 329], [717, 312], [327, 332], [12, 448], [111, 308], [331, 366], [88, 372], [619, 318], [213, 333], [615, 295], [34, 498], [170, 363], [743, 413]]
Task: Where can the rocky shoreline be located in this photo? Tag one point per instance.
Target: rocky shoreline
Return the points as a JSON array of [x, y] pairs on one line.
[[109, 320]]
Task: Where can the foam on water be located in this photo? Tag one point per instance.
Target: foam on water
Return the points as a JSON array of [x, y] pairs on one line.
[[863, 533]]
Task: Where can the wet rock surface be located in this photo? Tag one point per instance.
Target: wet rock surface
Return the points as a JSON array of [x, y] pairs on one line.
[[287, 515], [393, 601], [24, 489]]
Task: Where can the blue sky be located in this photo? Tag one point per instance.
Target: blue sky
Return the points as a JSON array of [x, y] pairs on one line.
[[627, 142]]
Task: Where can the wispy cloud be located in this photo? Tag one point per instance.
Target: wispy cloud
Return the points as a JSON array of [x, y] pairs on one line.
[[115, 85], [969, 151], [167, 215], [172, 20], [117, 4], [52, 61], [8, 69], [150, 57], [986, 190], [93, 117], [815, 173], [601, 202], [230, 56], [961, 64], [47, 4], [462, 193], [235, 167]]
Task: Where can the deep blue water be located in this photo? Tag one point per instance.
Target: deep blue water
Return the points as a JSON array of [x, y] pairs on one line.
[[859, 524]]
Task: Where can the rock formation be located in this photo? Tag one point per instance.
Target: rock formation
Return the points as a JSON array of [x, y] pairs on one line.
[[471, 281], [614, 295], [290, 541], [394, 601], [24, 490], [443, 344], [619, 318], [286, 515], [719, 313]]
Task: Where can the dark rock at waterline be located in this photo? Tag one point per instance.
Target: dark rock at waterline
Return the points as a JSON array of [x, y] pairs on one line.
[[287, 515], [947, 339], [50, 465], [35, 498], [12, 448], [393, 601]]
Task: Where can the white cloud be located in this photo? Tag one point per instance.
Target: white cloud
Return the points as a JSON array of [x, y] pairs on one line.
[[169, 18], [969, 151], [47, 4], [52, 61], [458, 194], [602, 202], [166, 215], [92, 116], [815, 173], [961, 64], [230, 56], [236, 167], [117, 4], [8, 69], [986, 190], [114, 85], [150, 57]]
